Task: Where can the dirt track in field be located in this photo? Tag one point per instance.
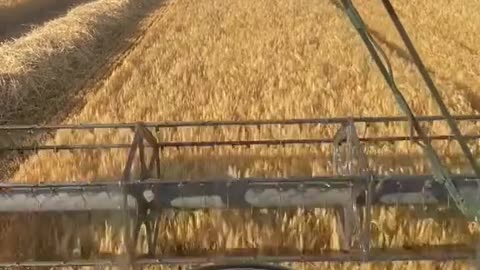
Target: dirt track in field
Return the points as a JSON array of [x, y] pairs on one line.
[[18, 20]]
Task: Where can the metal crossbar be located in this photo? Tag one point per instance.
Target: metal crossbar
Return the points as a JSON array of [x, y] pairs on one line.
[[202, 144], [325, 122], [142, 199], [285, 122]]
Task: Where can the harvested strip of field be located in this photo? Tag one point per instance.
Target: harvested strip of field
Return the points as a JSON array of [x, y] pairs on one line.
[[264, 59], [19, 16], [42, 71]]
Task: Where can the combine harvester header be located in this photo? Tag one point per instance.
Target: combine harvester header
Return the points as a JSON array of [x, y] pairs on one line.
[[354, 190]]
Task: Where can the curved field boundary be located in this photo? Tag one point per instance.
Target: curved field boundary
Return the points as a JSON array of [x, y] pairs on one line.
[[99, 77], [18, 17]]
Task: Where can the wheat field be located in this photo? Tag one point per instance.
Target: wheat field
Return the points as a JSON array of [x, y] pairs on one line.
[[234, 60]]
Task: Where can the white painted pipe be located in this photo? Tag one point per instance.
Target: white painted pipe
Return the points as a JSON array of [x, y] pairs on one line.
[[65, 201]]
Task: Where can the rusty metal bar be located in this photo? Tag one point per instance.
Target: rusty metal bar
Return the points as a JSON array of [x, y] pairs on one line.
[[148, 136], [155, 156], [313, 121], [131, 156], [285, 142], [141, 154], [137, 143], [435, 253]]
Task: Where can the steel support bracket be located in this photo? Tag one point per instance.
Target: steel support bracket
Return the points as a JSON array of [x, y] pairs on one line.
[[350, 159]]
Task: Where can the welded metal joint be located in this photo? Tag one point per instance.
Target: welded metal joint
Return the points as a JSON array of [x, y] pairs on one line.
[[350, 159], [145, 215]]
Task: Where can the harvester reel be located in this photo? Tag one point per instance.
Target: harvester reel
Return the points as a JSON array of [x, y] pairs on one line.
[[354, 189]]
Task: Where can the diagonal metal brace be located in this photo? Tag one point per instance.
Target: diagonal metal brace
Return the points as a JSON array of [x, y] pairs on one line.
[[441, 173], [142, 135]]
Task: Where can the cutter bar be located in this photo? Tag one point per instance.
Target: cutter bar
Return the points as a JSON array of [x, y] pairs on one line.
[[319, 192]]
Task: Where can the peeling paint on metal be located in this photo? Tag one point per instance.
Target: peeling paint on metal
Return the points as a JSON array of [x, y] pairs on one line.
[[64, 201], [409, 198], [148, 195], [294, 197], [214, 201]]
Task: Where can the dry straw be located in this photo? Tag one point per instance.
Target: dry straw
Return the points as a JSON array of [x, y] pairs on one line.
[[212, 59], [44, 68]]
